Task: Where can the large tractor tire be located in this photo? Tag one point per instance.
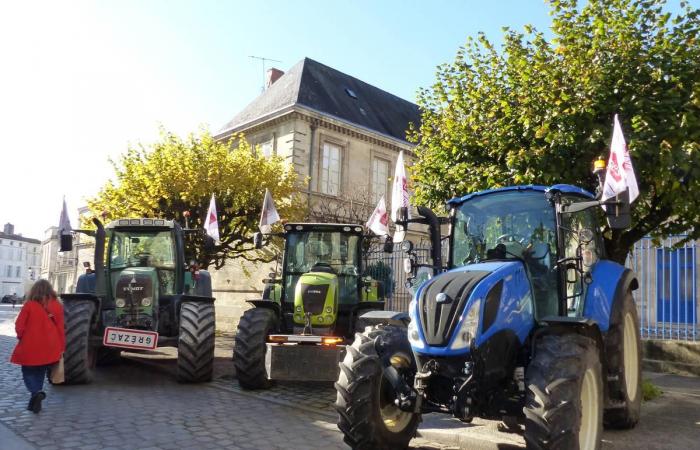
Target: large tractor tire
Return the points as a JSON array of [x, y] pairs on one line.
[[624, 354], [107, 356], [79, 358], [195, 345], [250, 347], [367, 415], [564, 397]]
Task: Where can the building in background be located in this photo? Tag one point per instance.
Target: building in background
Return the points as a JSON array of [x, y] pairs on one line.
[[20, 262], [62, 269], [341, 134]]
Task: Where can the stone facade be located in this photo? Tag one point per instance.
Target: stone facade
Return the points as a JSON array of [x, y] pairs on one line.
[[20, 262]]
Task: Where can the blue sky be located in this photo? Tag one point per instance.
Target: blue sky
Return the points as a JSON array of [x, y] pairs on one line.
[[83, 79]]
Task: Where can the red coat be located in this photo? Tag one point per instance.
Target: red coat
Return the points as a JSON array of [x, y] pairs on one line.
[[42, 339]]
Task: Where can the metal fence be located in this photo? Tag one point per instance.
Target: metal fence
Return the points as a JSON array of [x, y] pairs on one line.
[[388, 269], [667, 299]]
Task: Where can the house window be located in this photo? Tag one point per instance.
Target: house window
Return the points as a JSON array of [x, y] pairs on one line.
[[330, 169], [267, 148], [675, 285], [17, 272], [9, 271], [380, 178]]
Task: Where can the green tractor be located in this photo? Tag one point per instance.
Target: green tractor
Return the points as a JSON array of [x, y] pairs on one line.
[[299, 329], [139, 297]]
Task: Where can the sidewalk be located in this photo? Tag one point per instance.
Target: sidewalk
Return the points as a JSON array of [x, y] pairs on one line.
[[10, 441]]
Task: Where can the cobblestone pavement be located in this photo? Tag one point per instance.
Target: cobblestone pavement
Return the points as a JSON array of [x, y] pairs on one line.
[[133, 405]]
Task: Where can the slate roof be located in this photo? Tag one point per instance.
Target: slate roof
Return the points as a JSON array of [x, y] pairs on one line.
[[321, 88]]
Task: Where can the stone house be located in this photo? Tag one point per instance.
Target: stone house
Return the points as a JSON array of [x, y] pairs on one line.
[[342, 136]]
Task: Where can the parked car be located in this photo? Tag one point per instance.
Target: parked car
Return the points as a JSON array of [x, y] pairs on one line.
[[11, 298]]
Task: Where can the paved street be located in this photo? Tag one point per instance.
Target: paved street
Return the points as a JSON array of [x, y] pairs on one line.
[[138, 404]]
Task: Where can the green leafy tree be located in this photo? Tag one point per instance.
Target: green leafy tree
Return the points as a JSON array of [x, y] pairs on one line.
[[174, 175], [540, 109]]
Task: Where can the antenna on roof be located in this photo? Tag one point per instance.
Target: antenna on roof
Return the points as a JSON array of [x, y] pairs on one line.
[[262, 61]]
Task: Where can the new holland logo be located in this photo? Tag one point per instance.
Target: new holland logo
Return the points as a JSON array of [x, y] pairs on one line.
[[442, 298]]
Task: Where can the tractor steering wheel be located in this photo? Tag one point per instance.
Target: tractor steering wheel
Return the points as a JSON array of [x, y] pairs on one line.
[[512, 237]]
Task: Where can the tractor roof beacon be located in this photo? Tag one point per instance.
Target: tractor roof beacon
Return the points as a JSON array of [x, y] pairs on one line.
[[527, 323], [139, 296], [298, 330]]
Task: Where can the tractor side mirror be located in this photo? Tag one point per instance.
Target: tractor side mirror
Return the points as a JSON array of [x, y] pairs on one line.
[[66, 242], [388, 244], [402, 215], [258, 239], [409, 266], [209, 244], [617, 211]]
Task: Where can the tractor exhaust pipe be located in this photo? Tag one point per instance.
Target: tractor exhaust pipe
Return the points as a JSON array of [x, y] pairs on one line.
[[99, 258], [433, 223]]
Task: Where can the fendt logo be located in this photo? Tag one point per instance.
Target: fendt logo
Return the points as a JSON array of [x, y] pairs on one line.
[[314, 291], [133, 288]]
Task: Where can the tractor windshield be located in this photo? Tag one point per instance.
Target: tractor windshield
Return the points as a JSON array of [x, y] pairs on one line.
[[327, 251], [506, 225], [142, 248]]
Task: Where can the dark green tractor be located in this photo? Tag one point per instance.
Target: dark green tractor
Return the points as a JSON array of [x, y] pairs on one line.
[[299, 329], [140, 296]]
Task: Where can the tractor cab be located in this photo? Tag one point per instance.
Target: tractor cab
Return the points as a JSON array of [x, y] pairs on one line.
[[142, 269], [321, 273]]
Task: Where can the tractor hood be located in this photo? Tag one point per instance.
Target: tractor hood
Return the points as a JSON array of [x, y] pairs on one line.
[[316, 293], [496, 291]]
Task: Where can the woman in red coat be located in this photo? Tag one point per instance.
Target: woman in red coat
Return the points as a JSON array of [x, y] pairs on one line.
[[41, 337]]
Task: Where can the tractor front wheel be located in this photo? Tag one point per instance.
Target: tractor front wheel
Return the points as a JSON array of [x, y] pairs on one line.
[[564, 398], [79, 357], [624, 353], [255, 326], [367, 414], [195, 346]]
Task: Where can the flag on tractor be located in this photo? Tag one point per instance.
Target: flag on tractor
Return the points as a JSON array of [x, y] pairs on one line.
[[211, 223], [379, 220], [399, 190], [620, 173], [269, 215], [64, 226]]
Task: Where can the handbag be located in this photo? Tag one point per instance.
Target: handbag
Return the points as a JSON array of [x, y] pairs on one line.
[[57, 374], [57, 371]]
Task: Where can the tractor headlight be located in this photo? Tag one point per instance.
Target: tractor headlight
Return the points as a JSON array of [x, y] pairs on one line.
[[146, 301], [320, 319], [120, 302], [413, 334], [329, 309], [298, 308], [468, 328]]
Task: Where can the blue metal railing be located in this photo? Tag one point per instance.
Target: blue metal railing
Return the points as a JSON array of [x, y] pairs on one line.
[[667, 298]]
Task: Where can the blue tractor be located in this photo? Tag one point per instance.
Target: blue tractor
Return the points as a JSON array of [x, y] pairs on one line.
[[527, 323]]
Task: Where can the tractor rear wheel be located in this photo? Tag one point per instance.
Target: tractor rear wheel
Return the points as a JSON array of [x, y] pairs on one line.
[[195, 346], [624, 353], [78, 358], [564, 397], [255, 326], [367, 415]]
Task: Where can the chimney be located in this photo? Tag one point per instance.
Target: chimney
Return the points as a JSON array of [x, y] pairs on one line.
[[9, 228], [272, 76]]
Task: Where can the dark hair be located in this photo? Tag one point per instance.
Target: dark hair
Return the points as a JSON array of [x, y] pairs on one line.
[[42, 292]]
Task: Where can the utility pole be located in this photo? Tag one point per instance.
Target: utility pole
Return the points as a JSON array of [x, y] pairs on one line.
[[262, 61]]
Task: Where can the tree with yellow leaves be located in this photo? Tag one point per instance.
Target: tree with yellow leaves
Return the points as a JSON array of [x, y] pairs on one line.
[[174, 175]]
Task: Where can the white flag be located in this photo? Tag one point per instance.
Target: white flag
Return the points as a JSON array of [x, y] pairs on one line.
[[211, 223], [269, 214], [620, 173], [378, 221], [64, 227], [399, 190]]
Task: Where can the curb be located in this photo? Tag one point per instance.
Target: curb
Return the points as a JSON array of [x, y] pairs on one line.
[[12, 441]]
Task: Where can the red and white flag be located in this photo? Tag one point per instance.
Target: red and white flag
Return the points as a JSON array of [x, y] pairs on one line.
[[379, 220], [620, 173], [211, 223], [269, 215], [399, 189]]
